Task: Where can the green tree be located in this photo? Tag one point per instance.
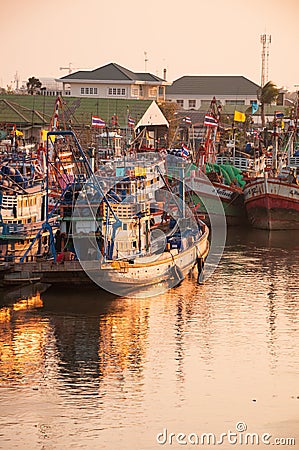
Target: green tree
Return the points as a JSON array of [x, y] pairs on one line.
[[170, 109], [33, 85], [267, 95]]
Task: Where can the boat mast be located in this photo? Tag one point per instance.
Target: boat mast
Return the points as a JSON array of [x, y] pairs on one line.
[[275, 147], [210, 139], [295, 131]]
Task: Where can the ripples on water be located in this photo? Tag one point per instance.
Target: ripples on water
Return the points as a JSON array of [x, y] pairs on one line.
[[83, 369]]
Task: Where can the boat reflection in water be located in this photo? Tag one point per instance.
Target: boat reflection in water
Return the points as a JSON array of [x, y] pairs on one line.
[[89, 370]]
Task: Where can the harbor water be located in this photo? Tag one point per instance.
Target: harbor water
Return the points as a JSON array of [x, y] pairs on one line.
[[83, 369]]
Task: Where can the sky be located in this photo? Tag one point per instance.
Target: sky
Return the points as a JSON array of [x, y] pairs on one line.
[[195, 37]]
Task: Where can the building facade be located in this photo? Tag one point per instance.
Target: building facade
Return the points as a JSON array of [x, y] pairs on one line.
[[114, 81], [196, 92]]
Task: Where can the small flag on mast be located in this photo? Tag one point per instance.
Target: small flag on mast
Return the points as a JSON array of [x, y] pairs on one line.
[[97, 122], [187, 120], [185, 151], [254, 107], [239, 117], [210, 121], [131, 122]]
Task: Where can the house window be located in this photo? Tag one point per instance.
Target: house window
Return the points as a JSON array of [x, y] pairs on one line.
[[86, 91], [235, 102], [192, 103], [180, 103], [134, 91], [152, 92], [205, 102], [117, 92]]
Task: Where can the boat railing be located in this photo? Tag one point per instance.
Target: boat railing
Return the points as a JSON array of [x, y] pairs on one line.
[[245, 164], [12, 228], [294, 161]]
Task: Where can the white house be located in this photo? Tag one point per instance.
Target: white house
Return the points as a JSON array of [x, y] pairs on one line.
[[114, 81], [191, 92]]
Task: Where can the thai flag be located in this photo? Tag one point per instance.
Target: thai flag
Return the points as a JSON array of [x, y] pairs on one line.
[[97, 122], [185, 152], [131, 122], [210, 121], [187, 120], [279, 114]]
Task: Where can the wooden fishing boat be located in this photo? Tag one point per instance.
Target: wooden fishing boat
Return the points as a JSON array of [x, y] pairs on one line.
[[272, 201], [211, 183], [22, 208]]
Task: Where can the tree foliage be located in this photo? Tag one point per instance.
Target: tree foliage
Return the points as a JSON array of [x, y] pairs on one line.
[[267, 95], [169, 110], [33, 85]]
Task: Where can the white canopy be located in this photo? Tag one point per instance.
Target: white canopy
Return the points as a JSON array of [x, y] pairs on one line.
[[152, 116]]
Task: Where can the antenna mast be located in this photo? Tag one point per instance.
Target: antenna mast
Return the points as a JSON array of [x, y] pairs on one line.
[[265, 41], [17, 80], [145, 61]]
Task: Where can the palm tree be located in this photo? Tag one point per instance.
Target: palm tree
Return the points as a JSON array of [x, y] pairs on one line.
[[33, 85], [267, 95]]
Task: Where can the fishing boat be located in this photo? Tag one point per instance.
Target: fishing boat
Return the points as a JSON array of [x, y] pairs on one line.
[[134, 247], [22, 207], [272, 201], [210, 182], [119, 232]]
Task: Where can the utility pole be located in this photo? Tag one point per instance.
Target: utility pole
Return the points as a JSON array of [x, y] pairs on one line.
[[265, 41]]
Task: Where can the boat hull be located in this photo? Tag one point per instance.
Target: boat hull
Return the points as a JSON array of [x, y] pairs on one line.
[[206, 198], [122, 277], [172, 269], [272, 204]]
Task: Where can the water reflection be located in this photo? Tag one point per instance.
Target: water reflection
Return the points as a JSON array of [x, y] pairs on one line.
[[87, 369], [23, 342]]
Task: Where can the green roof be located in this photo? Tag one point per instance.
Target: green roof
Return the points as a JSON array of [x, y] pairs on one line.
[[25, 110]]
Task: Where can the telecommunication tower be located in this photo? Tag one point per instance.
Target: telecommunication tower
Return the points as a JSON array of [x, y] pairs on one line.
[[265, 41]]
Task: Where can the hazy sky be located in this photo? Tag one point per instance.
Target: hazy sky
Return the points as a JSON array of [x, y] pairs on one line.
[[188, 38]]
